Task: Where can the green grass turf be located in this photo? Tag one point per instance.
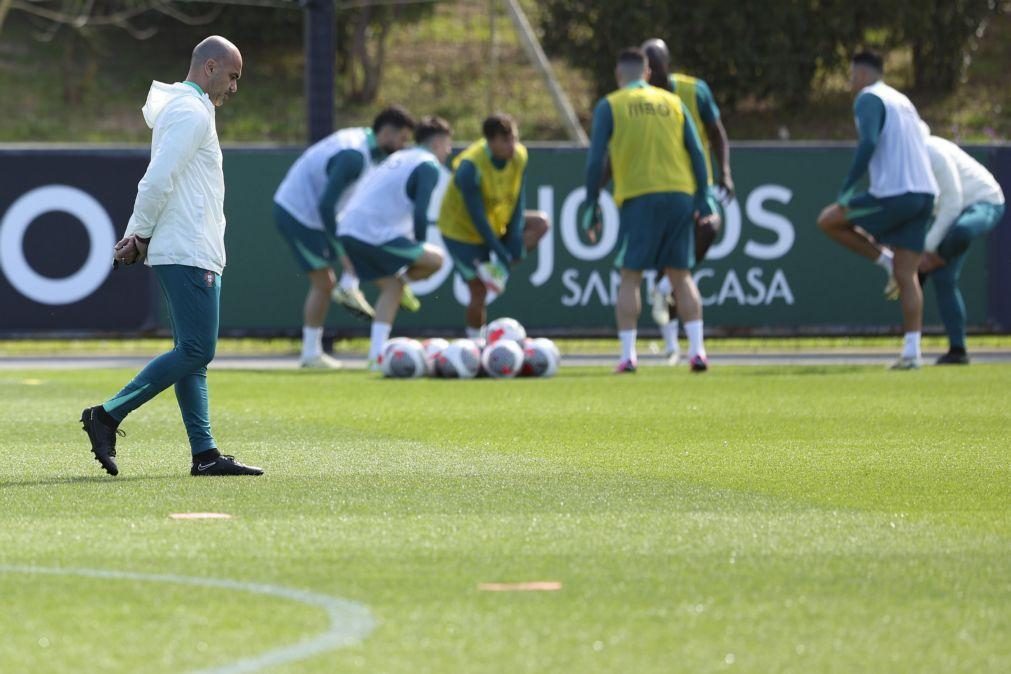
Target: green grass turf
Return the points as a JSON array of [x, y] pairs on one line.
[[755, 519], [283, 346]]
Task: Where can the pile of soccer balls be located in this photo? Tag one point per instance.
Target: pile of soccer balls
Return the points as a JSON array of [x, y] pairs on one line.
[[504, 353]]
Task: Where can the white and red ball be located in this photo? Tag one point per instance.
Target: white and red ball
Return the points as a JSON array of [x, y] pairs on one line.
[[403, 360], [505, 328], [433, 347], [502, 359], [460, 360], [540, 358]]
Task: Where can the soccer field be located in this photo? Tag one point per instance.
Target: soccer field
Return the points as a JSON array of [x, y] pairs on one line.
[[816, 519]]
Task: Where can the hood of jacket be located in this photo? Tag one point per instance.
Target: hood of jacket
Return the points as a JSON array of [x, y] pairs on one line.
[[161, 94]]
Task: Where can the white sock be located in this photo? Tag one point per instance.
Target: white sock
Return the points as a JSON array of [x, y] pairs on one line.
[[663, 285], [911, 345], [694, 331], [473, 333], [312, 342], [380, 334], [348, 281], [627, 338], [670, 336], [885, 260]]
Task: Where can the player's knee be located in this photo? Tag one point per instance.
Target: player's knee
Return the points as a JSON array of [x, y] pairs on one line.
[[197, 352], [537, 224], [323, 280], [829, 218], [706, 232]]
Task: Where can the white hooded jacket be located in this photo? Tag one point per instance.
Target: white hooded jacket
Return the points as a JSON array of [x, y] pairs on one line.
[[180, 200]]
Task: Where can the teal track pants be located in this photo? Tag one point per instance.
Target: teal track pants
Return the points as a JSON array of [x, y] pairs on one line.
[[975, 221], [193, 296]]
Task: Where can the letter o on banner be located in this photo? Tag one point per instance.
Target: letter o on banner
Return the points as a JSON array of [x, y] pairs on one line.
[[85, 280], [570, 228]]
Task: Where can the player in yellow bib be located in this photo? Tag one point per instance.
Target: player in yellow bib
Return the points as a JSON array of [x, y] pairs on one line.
[[660, 186], [699, 102], [482, 213]]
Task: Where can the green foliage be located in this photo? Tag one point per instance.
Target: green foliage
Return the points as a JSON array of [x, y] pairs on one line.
[[766, 52]]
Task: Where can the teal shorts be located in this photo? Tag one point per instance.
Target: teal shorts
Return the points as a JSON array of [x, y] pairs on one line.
[[657, 231], [899, 222], [372, 262], [313, 248], [466, 256]]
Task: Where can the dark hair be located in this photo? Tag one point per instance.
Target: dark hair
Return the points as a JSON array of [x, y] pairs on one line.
[[632, 55], [429, 127], [869, 58], [499, 124], [396, 116]]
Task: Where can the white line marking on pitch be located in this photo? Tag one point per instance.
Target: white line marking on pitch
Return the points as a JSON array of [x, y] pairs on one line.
[[350, 622]]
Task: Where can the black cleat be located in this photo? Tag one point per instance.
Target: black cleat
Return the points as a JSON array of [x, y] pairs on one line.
[[103, 440], [223, 465], [954, 357]]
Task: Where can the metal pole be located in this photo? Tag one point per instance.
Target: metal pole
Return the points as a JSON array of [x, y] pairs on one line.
[[320, 30], [540, 61], [492, 56]]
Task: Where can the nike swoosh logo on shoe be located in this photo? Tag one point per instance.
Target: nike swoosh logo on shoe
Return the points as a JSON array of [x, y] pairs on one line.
[[205, 466]]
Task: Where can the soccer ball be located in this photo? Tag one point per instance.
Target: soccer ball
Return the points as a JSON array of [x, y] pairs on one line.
[[505, 328], [404, 360], [390, 344], [460, 360], [433, 347], [540, 358], [503, 359]]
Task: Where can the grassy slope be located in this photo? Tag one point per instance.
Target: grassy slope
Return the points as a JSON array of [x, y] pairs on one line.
[[438, 65], [755, 520]]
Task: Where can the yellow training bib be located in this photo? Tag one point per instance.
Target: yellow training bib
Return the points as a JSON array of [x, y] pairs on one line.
[[685, 87], [647, 148], [500, 192]]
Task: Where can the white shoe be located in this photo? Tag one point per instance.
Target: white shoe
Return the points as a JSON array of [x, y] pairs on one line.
[[321, 362], [373, 366], [907, 363], [673, 357], [660, 307], [891, 288]]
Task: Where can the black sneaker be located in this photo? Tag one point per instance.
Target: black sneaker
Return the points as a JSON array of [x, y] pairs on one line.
[[103, 439], [954, 357], [223, 465]]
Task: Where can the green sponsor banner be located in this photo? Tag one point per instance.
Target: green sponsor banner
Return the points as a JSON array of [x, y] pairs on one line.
[[771, 270]]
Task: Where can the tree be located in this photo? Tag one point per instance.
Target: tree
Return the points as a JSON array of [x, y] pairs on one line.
[[362, 35]]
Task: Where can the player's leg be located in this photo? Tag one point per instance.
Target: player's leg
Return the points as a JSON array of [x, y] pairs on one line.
[[707, 230], [903, 228], [476, 313], [313, 252], [911, 298], [951, 307], [390, 290], [428, 262], [844, 226], [626, 314], [678, 257], [641, 236], [535, 227], [186, 290], [856, 227], [975, 221], [347, 292], [466, 258], [317, 303]]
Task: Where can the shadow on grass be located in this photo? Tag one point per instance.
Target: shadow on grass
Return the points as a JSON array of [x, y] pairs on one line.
[[82, 479]]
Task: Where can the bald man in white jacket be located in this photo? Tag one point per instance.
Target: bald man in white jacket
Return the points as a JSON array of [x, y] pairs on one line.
[[969, 206], [178, 228]]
